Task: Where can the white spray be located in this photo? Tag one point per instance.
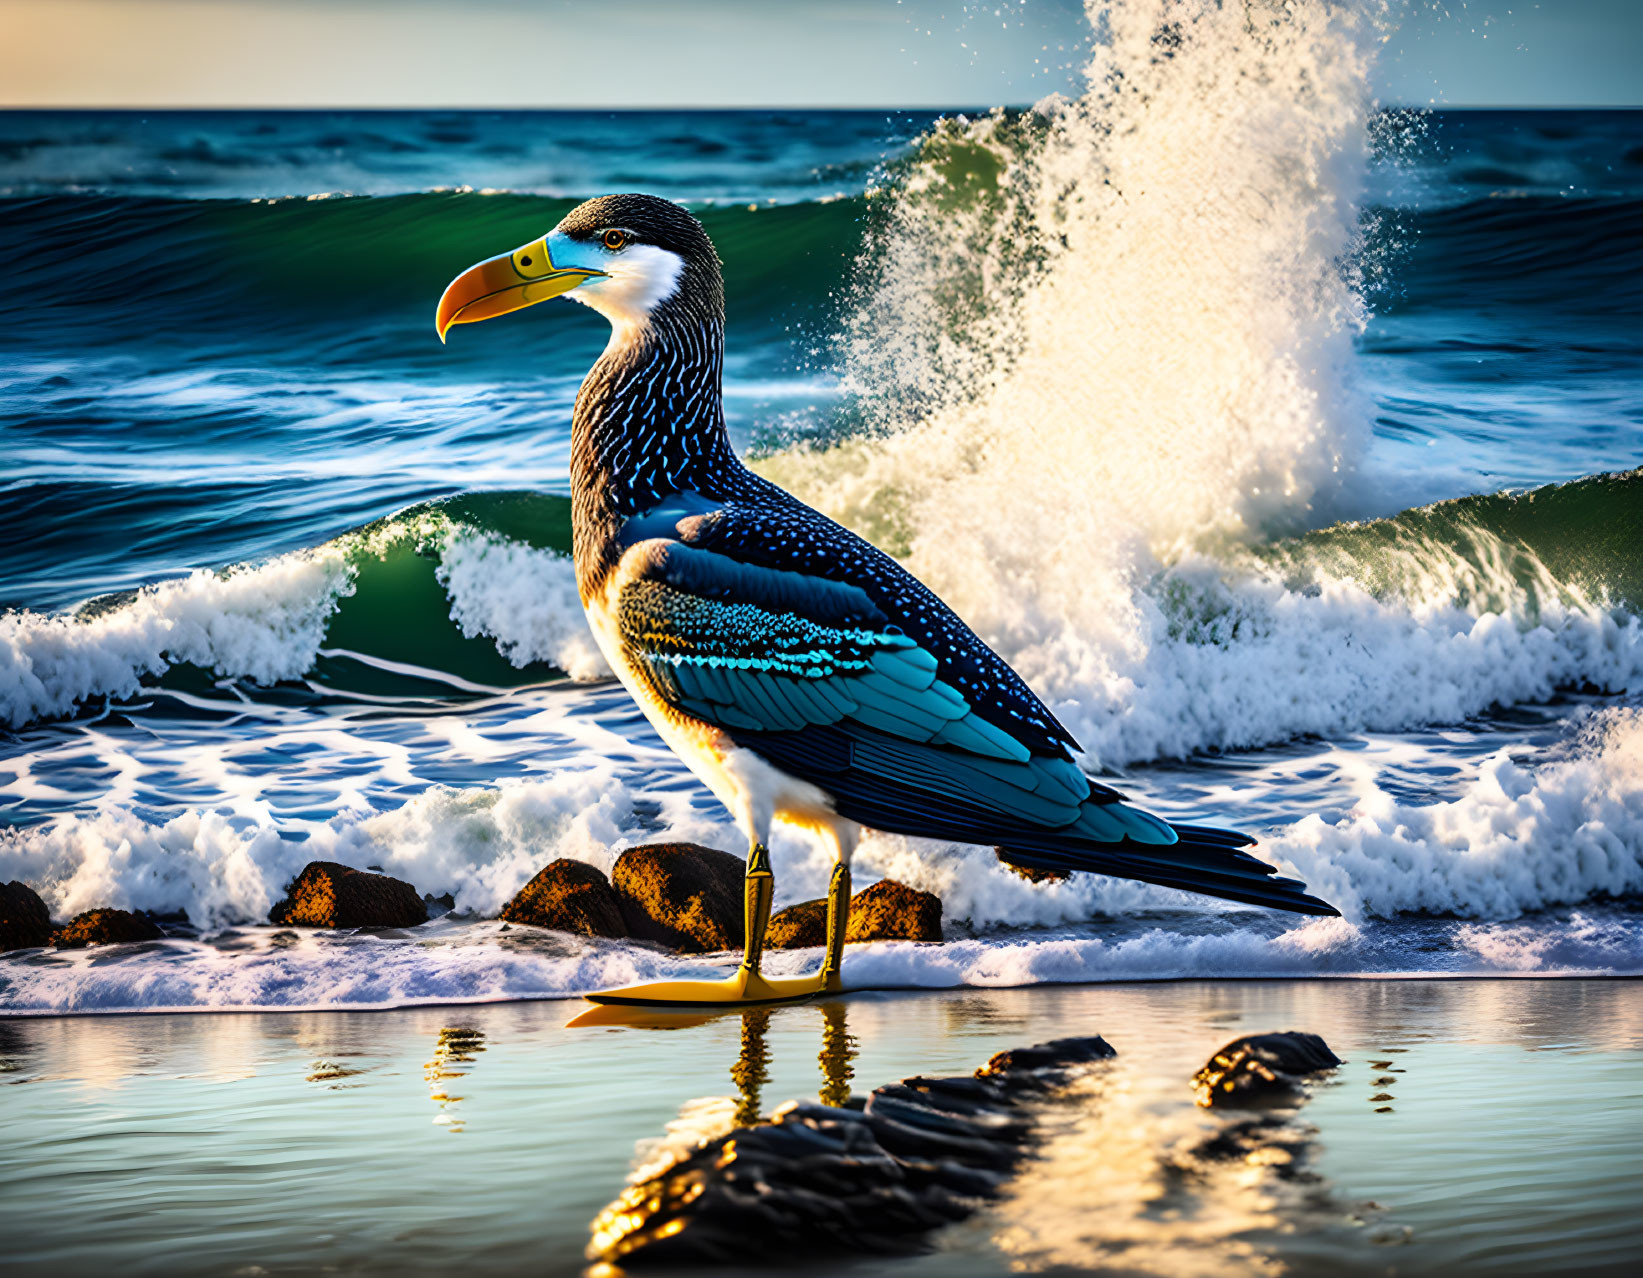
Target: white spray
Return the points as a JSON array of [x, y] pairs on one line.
[[1106, 348]]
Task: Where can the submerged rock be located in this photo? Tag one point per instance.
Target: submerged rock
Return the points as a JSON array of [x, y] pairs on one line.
[[798, 926], [24, 920], [1058, 1054], [569, 896], [873, 1177], [681, 895], [327, 894], [105, 927], [1261, 1070], [891, 911]]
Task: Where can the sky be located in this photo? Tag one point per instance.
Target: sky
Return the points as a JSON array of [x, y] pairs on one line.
[[599, 53]]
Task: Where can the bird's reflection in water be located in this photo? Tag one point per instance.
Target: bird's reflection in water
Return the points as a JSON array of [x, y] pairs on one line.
[[838, 1050], [752, 1068], [454, 1052], [707, 1117]]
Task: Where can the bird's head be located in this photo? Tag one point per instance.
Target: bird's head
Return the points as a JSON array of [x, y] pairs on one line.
[[630, 257]]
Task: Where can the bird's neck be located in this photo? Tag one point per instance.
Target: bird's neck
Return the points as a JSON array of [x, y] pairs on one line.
[[649, 422]]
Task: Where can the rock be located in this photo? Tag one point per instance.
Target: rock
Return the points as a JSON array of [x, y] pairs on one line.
[[1262, 1069], [327, 894], [887, 911], [1057, 1054], [798, 926], [105, 927], [681, 895], [891, 911], [569, 896], [24, 921], [819, 1182]]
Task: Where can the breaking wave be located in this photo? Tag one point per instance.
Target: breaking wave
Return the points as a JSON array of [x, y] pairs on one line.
[[475, 593], [1430, 616], [1520, 838]]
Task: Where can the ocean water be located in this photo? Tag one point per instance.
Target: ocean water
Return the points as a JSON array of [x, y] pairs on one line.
[[1479, 1127], [1288, 446]]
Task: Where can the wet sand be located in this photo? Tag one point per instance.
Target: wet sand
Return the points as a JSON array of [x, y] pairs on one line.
[[1479, 1126]]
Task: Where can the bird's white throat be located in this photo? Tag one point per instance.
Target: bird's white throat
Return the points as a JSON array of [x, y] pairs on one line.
[[637, 280]]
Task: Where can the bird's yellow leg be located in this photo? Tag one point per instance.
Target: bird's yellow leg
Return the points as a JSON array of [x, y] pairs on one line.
[[758, 891], [838, 923], [748, 985]]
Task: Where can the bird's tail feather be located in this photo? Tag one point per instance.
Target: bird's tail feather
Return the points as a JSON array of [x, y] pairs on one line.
[[896, 796], [1202, 859]]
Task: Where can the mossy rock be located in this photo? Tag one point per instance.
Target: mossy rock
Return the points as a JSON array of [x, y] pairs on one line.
[[891, 911], [681, 895], [798, 926], [569, 896], [327, 894], [105, 927]]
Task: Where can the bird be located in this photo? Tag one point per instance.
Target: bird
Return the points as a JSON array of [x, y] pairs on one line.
[[801, 673]]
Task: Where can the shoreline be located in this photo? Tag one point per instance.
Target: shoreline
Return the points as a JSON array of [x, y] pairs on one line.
[[377, 1009]]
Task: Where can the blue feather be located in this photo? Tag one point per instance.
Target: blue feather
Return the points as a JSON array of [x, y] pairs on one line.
[[832, 691], [1006, 788], [774, 688], [975, 734], [1062, 779], [876, 715], [900, 666]]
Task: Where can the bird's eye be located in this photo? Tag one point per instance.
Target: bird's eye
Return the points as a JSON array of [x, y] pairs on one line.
[[615, 239]]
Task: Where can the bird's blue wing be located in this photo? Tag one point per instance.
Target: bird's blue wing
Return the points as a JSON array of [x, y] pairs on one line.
[[755, 650], [767, 527]]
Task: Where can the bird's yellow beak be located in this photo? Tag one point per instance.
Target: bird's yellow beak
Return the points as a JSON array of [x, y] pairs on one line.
[[508, 282]]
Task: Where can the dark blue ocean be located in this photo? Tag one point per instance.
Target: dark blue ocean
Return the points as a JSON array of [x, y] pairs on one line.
[[1290, 452]]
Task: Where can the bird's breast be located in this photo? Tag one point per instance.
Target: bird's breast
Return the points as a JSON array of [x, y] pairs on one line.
[[753, 790], [702, 746]]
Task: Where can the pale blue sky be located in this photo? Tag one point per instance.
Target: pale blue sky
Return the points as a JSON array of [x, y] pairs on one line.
[[556, 53]]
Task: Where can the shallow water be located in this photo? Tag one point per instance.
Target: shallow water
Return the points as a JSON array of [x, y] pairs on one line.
[[1485, 1126]]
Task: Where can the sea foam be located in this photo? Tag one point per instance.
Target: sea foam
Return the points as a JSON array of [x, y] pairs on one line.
[[262, 623], [478, 844], [1519, 839], [523, 598]]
